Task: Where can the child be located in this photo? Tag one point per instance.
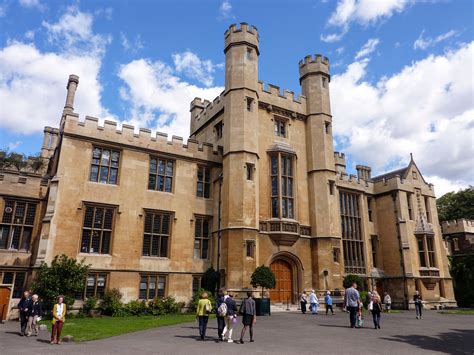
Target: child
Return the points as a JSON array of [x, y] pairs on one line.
[[360, 317]]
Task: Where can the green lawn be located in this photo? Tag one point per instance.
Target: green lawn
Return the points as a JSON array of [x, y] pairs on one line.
[[459, 311], [83, 329]]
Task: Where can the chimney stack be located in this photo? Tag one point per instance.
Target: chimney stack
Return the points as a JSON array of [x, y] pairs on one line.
[[71, 92]]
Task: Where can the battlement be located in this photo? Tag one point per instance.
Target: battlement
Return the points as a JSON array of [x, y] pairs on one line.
[[340, 162], [314, 64], [243, 34], [205, 109], [140, 138], [352, 181], [276, 91], [460, 225]]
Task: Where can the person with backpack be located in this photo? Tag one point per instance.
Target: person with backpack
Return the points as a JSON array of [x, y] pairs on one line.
[[249, 316], [221, 313], [203, 309], [230, 319]]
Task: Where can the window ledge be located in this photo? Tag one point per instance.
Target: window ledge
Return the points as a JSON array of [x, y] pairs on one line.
[[95, 255], [161, 192], [149, 257], [103, 183], [16, 251]]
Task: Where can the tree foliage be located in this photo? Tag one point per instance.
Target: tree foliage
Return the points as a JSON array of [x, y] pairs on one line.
[[350, 279], [21, 162], [209, 280], [263, 277], [454, 205], [65, 276], [462, 271]]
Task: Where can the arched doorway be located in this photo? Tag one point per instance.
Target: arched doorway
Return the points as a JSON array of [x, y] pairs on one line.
[[283, 291]]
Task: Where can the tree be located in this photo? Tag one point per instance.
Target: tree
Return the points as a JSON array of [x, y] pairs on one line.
[[350, 279], [17, 160], [454, 205], [36, 163], [263, 277], [65, 276], [462, 271], [209, 280]]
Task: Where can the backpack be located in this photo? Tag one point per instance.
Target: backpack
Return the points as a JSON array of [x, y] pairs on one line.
[[222, 310], [208, 308]]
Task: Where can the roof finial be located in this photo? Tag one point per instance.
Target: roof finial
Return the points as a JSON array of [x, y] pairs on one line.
[[411, 156]]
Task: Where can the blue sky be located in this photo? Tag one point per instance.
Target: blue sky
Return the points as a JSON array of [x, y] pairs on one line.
[[401, 70]]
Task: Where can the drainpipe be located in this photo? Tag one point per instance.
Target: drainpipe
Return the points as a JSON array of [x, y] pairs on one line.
[[219, 232], [400, 248]]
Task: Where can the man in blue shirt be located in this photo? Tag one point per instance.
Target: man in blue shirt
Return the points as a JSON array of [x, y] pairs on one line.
[[351, 302]]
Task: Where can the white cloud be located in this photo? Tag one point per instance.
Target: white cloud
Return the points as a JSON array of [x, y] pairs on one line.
[[73, 32], [443, 186], [131, 46], [340, 50], [424, 43], [368, 48], [225, 11], [33, 4], [30, 35], [192, 66], [364, 12], [159, 99], [13, 145], [333, 37], [32, 82], [427, 108]]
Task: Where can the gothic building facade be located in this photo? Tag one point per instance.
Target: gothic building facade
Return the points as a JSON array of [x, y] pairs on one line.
[[258, 182]]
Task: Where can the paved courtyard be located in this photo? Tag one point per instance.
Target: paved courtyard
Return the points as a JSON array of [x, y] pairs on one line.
[[282, 333]]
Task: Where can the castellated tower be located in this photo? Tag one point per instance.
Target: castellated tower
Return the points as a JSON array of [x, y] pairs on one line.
[[324, 214], [239, 193]]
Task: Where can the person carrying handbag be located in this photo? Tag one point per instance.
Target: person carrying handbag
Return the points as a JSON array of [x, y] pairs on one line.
[[249, 316], [204, 308], [376, 309]]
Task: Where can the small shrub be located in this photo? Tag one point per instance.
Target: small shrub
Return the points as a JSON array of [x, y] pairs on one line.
[[166, 305], [136, 308], [197, 297], [111, 304], [88, 307]]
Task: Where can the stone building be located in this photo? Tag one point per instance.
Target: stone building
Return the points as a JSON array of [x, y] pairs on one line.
[[459, 236], [258, 182]]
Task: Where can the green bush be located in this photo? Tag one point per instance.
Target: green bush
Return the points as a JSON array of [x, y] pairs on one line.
[[363, 297], [166, 305], [209, 279], [263, 277], [135, 308], [350, 279], [88, 307], [197, 297], [111, 304], [462, 271], [65, 276]]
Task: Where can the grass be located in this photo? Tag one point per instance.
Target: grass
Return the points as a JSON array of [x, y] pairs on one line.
[[84, 329], [459, 311]]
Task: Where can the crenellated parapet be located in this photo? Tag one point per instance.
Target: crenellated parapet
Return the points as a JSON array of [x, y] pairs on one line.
[[203, 110], [245, 33], [460, 225], [316, 64], [275, 90], [351, 181], [340, 162], [128, 136]]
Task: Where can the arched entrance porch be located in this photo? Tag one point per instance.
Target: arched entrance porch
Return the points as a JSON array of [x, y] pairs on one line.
[[288, 270]]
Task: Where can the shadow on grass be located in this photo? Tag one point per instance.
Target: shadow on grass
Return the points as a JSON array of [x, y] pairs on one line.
[[455, 341]]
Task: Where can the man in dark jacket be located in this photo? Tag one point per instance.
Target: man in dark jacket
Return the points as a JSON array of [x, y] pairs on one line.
[[24, 307], [34, 316]]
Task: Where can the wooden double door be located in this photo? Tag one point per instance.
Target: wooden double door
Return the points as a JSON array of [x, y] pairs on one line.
[[283, 291], [4, 301]]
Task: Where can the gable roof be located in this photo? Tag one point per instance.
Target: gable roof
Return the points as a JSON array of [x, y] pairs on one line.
[[403, 172]]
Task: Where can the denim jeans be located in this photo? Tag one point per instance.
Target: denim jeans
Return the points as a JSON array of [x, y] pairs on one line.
[[314, 308], [203, 325], [329, 308], [220, 326], [418, 307], [376, 318]]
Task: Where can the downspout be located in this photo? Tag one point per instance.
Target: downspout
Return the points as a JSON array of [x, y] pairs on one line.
[[400, 248], [219, 232]]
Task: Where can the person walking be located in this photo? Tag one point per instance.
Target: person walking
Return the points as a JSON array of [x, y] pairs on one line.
[[376, 311], [313, 302], [230, 319], [351, 302], [34, 316], [328, 302], [387, 300], [418, 304], [249, 317], [303, 302], [24, 307], [221, 314], [204, 308], [59, 317]]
